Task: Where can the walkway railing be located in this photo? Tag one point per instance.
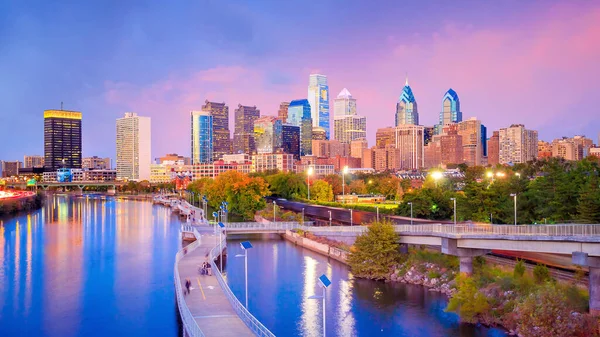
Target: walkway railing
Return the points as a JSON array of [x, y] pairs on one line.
[[189, 323], [254, 324], [232, 226]]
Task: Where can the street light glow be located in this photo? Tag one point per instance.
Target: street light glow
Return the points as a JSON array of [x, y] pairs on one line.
[[309, 171], [437, 175]]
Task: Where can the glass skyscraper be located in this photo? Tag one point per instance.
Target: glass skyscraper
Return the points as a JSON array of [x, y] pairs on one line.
[[243, 138], [450, 110], [202, 137], [406, 108], [290, 139], [267, 134], [347, 125], [221, 135], [299, 114], [318, 99], [62, 139]]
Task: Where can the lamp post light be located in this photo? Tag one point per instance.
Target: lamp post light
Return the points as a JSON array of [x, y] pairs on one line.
[[325, 282], [308, 173], [274, 205], [437, 175], [344, 171], [454, 200], [245, 246], [411, 212], [303, 215], [221, 226], [350, 216], [329, 218], [377, 207], [514, 195]]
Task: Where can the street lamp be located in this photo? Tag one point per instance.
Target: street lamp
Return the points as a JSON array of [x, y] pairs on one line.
[[221, 225], [303, 215], [350, 216], [437, 175], [308, 173], [514, 195], [245, 246], [454, 199], [325, 282], [377, 207], [329, 218], [344, 171], [411, 213], [274, 205]]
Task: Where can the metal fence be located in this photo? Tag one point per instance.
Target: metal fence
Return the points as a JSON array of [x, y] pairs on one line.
[[189, 323], [254, 324], [232, 226]]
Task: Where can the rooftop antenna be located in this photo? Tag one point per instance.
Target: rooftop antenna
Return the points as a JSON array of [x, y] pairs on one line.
[[61, 105]]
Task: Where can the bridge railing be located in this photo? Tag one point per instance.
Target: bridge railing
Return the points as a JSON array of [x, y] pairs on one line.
[[189, 323], [251, 322], [233, 226]]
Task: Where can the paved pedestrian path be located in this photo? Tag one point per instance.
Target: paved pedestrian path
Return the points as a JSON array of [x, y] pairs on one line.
[[207, 302]]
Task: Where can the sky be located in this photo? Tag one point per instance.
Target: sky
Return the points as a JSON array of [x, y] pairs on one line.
[[531, 62]]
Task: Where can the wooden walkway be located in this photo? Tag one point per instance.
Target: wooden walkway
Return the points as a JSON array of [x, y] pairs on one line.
[[207, 301]]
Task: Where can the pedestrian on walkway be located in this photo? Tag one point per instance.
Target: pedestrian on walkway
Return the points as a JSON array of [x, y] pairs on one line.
[[188, 284]]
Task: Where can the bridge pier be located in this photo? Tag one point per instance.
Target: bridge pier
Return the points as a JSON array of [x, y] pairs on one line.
[[465, 255], [593, 262]]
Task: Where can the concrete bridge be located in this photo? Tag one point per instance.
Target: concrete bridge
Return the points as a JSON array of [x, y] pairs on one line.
[[112, 185]]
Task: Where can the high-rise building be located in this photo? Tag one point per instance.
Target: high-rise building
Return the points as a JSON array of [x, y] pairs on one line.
[[243, 138], [96, 163], [406, 108], [299, 114], [410, 141], [387, 159], [493, 147], [344, 104], [283, 162], [318, 133], [517, 144], [175, 159], [33, 161], [429, 133], [347, 125], [318, 99], [202, 137], [268, 134], [62, 139], [471, 133], [585, 143], [385, 137], [575, 148], [220, 128], [451, 145], [544, 149], [357, 146], [368, 158], [282, 113], [10, 168], [133, 147], [290, 135], [450, 110], [433, 152]]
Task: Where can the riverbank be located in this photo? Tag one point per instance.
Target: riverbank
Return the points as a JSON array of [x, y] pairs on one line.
[[15, 202]]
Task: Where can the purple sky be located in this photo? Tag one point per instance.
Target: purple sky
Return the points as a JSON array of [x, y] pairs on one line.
[[533, 62]]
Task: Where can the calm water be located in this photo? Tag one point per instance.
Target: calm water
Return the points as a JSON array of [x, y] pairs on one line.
[[89, 267], [288, 276]]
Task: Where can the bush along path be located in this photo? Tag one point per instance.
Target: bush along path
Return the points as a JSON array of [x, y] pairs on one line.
[[528, 304]]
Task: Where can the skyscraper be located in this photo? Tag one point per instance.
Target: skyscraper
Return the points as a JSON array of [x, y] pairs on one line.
[[450, 110], [243, 138], [267, 134], [33, 161], [410, 141], [318, 99], [471, 133], [220, 128], [493, 146], [202, 137], [62, 139], [406, 108], [517, 144], [282, 113], [347, 125], [385, 137], [290, 139], [133, 147], [299, 114]]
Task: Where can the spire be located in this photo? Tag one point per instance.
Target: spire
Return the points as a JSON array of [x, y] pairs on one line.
[[406, 82]]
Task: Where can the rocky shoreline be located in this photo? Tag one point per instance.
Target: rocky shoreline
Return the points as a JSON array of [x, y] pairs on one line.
[[434, 278]]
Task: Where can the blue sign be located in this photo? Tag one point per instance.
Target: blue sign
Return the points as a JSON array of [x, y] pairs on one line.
[[247, 245], [215, 214], [324, 281], [221, 225]]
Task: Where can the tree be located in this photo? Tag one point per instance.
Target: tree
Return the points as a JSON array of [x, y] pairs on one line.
[[588, 208], [376, 251], [335, 181], [287, 185], [247, 196], [320, 190], [468, 302], [358, 186]]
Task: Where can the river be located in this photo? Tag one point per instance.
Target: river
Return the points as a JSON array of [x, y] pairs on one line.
[[96, 266]]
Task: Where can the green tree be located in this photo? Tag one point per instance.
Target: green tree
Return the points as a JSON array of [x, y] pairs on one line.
[[375, 252], [588, 209], [320, 190], [247, 196], [358, 186], [519, 270], [287, 185], [468, 302], [335, 181]]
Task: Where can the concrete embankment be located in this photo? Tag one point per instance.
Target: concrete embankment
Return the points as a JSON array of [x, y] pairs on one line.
[[327, 250]]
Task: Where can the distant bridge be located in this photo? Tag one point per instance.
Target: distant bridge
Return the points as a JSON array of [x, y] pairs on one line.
[[79, 184]]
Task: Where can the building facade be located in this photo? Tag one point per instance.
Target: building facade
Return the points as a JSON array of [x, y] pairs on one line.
[[96, 163], [349, 128], [318, 133], [451, 145], [243, 138], [544, 149], [221, 136], [410, 141], [472, 141], [406, 107], [201, 137], [493, 148], [133, 147], [357, 146], [283, 162], [385, 137], [290, 140], [318, 99], [62, 139], [299, 114], [517, 144], [175, 159], [268, 134], [450, 110], [282, 113], [33, 161], [10, 168]]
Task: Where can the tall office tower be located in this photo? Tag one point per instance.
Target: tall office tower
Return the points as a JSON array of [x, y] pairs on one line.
[[133, 147], [318, 133], [544, 149], [357, 146], [384, 137], [299, 114], [517, 144], [282, 113], [471, 133], [10, 168], [33, 161], [243, 138], [221, 136], [406, 108], [318, 98], [347, 125], [493, 149], [96, 163], [202, 137], [368, 158], [62, 139], [290, 139], [450, 110], [268, 134], [429, 133], [410, 141], [344, 104], [451, 145]]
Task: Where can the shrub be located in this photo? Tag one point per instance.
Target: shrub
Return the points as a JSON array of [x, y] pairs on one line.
[[434, 274], [468, 302], [376, 251], [541, 273], [519, 270]]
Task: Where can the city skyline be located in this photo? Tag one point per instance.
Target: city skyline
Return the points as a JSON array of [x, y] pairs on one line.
[[469, 53]]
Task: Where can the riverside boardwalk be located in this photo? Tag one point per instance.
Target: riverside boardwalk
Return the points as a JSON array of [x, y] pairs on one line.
[[207, 302]]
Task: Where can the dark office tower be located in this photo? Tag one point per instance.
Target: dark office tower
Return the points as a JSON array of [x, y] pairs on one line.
[[291, 140], [243, 138], [221, 137], [283, 111], [62, 139]]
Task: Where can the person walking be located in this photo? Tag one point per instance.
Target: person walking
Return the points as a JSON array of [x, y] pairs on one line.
[[188, 285]]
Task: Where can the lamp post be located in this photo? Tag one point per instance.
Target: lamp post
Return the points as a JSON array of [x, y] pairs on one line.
[[454, 199], [221, 226], [377, 207], [308, 173], [274, 205], [325, 282], [329, 218], [245, 246], [411, 213], [344, 171], [303, 215], [514, 195], [350, 216]]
